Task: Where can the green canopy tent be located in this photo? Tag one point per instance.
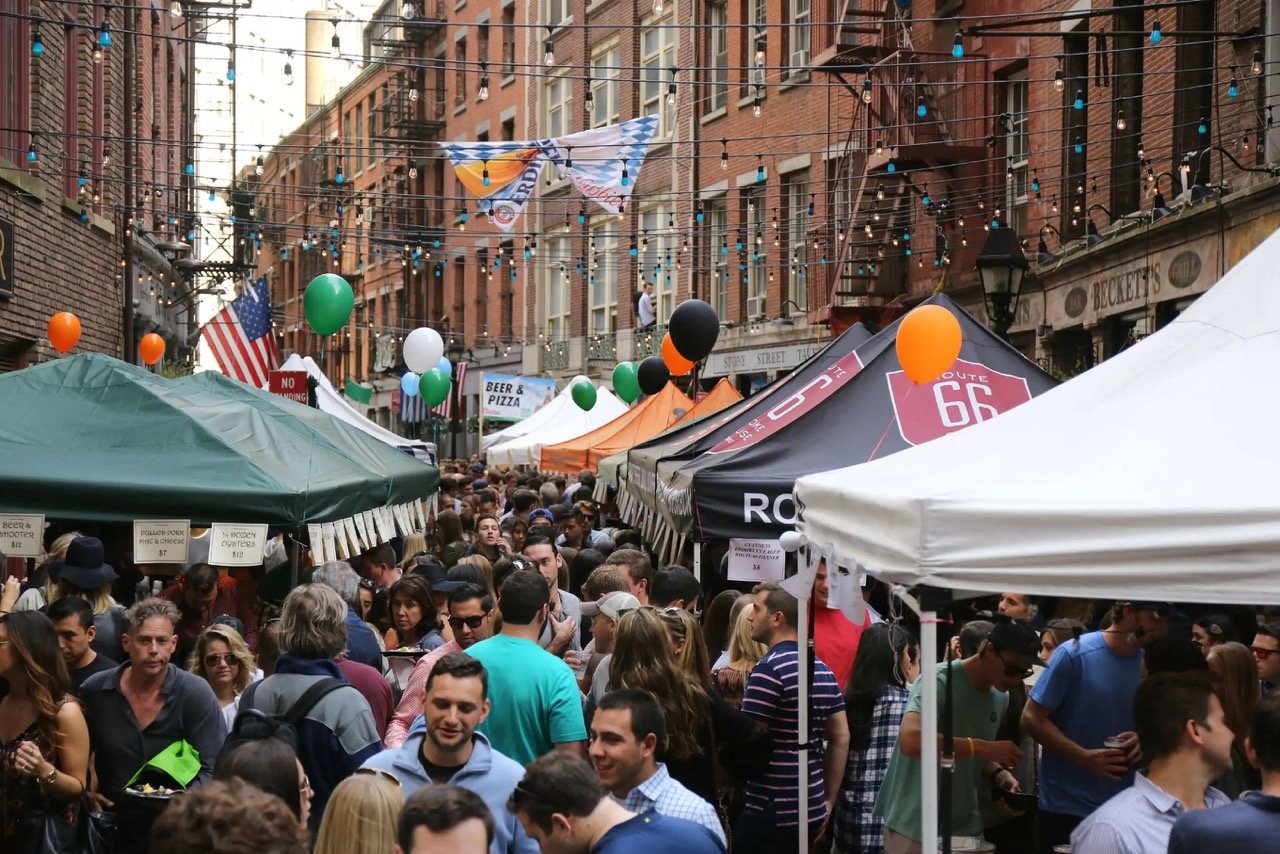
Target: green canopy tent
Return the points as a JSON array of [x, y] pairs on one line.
[[92, 438]]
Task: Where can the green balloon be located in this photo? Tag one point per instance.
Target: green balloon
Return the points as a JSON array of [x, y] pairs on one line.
[[625, 383], [328, 302], [584, 394], [434, 386]]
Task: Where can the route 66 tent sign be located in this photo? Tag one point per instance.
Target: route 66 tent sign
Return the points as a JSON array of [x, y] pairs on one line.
[[967, 394]]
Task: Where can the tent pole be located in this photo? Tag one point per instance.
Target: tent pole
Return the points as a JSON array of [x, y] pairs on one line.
[[697, 561], [928, 719], [803, 664], [480, 428]]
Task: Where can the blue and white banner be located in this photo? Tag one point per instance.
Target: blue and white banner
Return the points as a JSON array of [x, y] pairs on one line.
[[508, 398], [603, 164]]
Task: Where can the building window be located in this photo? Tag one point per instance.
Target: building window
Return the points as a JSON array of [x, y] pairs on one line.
[[717, 35], [460, 73], [606, 70], [1127, 50], [795, 201], [15, 94], [752, 255], [559, 97], [70, 110], [1193, 91], [557, 11], [657, 58], [602, 284], [655, 258], [555, 287], [509, 39], [1017, 151], [798, 36], [716, 253], [362, 147], [754, 12], [482, 42]]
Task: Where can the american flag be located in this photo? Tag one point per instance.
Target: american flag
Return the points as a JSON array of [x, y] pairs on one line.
[[413, 410], [241, 337], [445, 410]]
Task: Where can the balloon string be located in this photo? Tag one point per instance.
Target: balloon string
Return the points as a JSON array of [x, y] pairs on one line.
[[889, 426]]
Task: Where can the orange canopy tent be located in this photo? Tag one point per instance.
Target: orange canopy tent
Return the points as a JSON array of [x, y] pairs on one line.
[[643, 421], [712, 402]]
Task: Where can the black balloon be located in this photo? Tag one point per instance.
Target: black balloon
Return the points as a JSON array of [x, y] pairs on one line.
[[653, 375], [694, 329]]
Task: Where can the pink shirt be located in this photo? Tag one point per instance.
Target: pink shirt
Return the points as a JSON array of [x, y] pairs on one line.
[[411, 701]]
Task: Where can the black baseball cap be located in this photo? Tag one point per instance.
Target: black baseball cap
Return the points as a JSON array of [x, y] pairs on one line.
[[1160, 609], [1016, 638]]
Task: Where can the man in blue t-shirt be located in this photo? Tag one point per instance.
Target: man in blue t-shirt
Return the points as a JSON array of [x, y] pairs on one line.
[[565, 809], [1081, 704], [1251, 825]]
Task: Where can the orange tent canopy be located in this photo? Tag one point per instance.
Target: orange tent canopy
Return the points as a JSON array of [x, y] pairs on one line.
[[712, 402], [642, 421]]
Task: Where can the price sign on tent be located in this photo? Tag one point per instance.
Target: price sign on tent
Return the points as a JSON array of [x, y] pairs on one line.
[[237, 545], [21, 535], [290, 384], [160, 541], [756, 560]]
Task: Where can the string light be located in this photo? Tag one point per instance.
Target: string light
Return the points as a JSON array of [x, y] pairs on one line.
[[589, 102], [866, 90], [408, 10], [175, 10], [483, 92], [1078, 103], [957, 47], [921, 109], [1233, 87], [760, 45], [1256, 66], [671, 88], [32, 156], [1059, 78], [1121, 124], [288, 68], [549, 49], [724, 154], [413, 169], [37, 43], [1157, 35], [335, 43]]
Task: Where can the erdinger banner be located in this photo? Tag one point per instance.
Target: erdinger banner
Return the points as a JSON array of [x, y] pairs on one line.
[[603, 164], [738, 482]]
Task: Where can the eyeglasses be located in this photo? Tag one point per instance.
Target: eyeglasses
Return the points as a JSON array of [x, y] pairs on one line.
[[473, 622], [1013, 671], [227, 658], [1261, 652], [386, 775], [366, 584], [304, 788]]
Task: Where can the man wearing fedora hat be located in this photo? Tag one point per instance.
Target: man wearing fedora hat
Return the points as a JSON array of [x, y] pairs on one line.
[[86, 573]]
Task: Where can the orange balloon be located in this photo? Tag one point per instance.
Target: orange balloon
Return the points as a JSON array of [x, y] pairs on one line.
[[928, 343], [64, 331], [677, 364], [151, 348]]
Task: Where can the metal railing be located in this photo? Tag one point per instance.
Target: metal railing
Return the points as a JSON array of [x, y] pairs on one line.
[[555, 356], [602, 347]]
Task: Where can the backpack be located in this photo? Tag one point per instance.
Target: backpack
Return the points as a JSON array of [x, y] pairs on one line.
[[247, 715]]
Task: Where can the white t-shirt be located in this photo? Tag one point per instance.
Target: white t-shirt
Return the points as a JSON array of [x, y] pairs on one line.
[[644, 308]]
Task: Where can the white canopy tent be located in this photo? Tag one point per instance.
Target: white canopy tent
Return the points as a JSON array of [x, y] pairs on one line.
[[1150, 476], [558, 421], [328, 400]]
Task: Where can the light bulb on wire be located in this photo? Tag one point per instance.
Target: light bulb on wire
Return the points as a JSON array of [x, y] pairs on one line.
[[335, 43], [288, 68]]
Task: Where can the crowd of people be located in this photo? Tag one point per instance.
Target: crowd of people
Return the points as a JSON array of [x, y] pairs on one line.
[[521, 677]]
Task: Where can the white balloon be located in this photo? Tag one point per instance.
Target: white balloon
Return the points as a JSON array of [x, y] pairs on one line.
[[792, 541], [423, 349]]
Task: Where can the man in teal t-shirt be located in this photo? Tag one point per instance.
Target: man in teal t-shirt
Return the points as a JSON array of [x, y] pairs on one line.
[[534, 698], [979, 700]]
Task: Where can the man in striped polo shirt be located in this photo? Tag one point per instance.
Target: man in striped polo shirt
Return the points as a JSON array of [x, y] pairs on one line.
[[770, 820]]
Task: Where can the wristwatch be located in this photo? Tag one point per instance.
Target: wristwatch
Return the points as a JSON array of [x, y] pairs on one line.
[[48, 780]]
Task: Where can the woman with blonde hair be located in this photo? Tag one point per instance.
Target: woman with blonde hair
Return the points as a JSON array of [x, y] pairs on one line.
[[362, 815], [84, 572], [222, 659], [1235, 681], [744, 653], [44, 765], [41, 583]]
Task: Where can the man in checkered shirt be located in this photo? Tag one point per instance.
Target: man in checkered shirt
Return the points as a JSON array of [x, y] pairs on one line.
[[627, 732]]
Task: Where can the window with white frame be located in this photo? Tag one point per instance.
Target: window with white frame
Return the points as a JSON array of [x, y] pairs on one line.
[[557, 11], [606, 74], [656, 258], [1017, 147], [752, 254], [798, 35], [556, 266], [657, 58], [715, 231], [602, 284], [559, 94], [717, 35], [753, 36], [795, 200]]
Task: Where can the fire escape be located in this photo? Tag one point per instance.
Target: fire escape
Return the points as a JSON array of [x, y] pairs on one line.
[[902, 161], [412, 220]]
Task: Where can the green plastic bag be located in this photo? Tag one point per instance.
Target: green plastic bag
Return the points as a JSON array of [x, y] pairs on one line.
[[179, 763]]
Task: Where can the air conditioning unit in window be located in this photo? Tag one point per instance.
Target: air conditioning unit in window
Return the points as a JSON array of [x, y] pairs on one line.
[[800, 59]]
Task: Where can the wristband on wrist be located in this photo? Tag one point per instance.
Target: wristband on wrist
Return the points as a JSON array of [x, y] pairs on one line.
[[50, 778]]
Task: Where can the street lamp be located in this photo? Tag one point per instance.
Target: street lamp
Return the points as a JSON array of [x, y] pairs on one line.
[[1001, 267]]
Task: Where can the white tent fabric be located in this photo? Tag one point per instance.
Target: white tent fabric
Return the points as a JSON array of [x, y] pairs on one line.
[[1151, 476], [560, 421], [328, 400]]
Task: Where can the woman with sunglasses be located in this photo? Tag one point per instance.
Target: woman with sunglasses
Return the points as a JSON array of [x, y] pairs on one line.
[[222, 659]]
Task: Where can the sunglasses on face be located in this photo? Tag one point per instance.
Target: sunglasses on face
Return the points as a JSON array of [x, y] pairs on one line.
[[1262, 653], [1014, 671], [473, 622], [213, 659]]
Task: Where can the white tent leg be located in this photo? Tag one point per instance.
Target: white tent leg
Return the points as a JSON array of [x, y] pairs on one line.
[[929, 731], [802, 718], [697, 561]]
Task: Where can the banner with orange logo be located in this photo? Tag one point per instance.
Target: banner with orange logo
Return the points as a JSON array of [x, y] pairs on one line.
[[603, 164]]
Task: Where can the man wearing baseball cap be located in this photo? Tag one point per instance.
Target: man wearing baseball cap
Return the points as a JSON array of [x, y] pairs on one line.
[[605, 613], [980, 686]]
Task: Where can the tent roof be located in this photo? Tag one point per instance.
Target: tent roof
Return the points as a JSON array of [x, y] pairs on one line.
[[563, 420], [646, 419], [328, 400], [741, 485], [1151, 475], [90, 437], [612, 468]]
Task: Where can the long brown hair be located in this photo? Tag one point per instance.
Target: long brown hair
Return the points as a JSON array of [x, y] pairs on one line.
[[642, 660], [33, 641], [1235, 670], [417, 588], [694, 659]]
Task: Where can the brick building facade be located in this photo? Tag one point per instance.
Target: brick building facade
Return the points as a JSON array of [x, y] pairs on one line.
[[62, 174]]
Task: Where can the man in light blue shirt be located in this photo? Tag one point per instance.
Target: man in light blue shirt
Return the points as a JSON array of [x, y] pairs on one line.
[[627, 732], [1182, 729]]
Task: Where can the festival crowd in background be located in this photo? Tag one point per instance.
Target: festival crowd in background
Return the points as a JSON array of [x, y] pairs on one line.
[[524, 677]]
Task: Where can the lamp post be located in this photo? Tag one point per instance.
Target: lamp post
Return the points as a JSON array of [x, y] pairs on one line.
[[455, 350], [1001, 267]]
